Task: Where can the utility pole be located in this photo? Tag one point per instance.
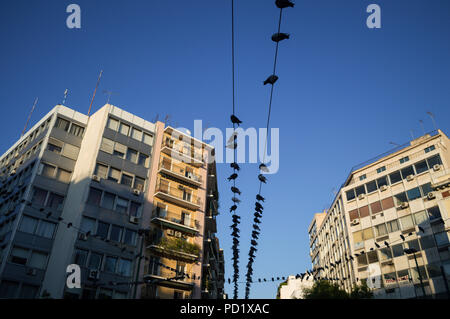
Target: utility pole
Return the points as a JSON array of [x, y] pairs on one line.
[[414, 251], [95, 91]]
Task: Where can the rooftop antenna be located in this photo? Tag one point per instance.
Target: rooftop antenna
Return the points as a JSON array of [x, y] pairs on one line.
[[95, 91], [432, 118], [412, 134], [29, 116], [156, 118], [109, 93], [66, 92], [395, 144], [166, 119], [421, 125]]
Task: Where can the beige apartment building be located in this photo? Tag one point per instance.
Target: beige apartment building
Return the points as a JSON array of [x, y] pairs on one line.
[[391, 212]]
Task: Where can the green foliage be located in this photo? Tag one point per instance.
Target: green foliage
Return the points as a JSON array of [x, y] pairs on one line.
[[180, 245], [361, 292], [279, 288], [323, 289]]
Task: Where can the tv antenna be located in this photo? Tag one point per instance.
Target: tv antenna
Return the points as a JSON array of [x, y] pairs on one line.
[[421, 125], [66, 92], [432, 118], [156, 118], [109, 93], [29, 116]]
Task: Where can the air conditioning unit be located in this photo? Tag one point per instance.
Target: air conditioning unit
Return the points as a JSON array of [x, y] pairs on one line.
[[383, 188], [361, 196], [136, 192], [94, 274], [96, 178], [436, 167], [431, 196], [82, 236], [180, 187], [134, 219], [404, 205], [410, 178], [170, 232], [31, 272], [355, 222], [178, 234]]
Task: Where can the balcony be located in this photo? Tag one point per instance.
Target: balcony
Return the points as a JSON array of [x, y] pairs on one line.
[[176, 221], [176, 248], [166, 278], [180, 172], [177, 195], [182, 152]]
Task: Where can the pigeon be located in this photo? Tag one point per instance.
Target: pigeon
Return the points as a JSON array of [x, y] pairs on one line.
[[236, 217], [263, 168], [235, 190], [378, 246], [284, 4], [254, 236], [402, 237], [259, 205], [386, 243], [236, 200], [258, 215], [254, 242], [256, 221], [277, 37], [235, 120], [259, 197], [232, 208], [421, 229], [256, 227], [232, 176], [262, 178], [235, 166], [271, 79]]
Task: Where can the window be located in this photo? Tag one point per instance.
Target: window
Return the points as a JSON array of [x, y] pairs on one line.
[[55, 201], [420, 217], [19, 256], [124, 129], [381, 230], [413, 193], [381, 169], [135, 209], [385, 253], [39, 196], [434, 212], [95, 196], [414, 244], [392, 226], [362, 260], [406, 222], [401, 198], [63, 175], [76, 130], [441, 239], [426, 188], [403, 275], [46, 229], [102, 230], [28, 292], [116, 233], [107, 145], [48, 170], [371, 186], [136, 134], [148, 139], [80, 257], [38, 260], [126, 180], [397, 250], [129, 237], [360, 190], [124, 267], [62, 124], [421, 167], [122, 205], [87, 225], [139, 183], [387, 203], [114, 174], [28, 225], [415, 274], [429, 149], [110, 264], [375, 207], [53, 148], [364, 211], [113, 124], [101, 171], [143, 160], [362, 177], [132, 155], [368, 233], [350, 194], [434, 160], [108, 200], [8, 289], [404, 159], [427, 242], [434, 270], [395, 177], [407, 171], [95, 261], [372, 257]]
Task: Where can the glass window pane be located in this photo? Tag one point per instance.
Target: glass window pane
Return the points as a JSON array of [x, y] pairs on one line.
[[102, 230], [87, 225], [360, 190], [113, 124], [406, 222], [28, 292], [413, 193], [407, 171], [421, 167], [63, 175], [362, 260], [385, 253], [39, 196], [95, 261], [110, 264], [139, 183], [54, 148], [135, 209], [143, 160], [434, 212], [80, 257], [148, 139], [371, 186], [124, 129], [400, 198], [38, 260], [46, 229], [392, 226], [426, 188], [126, 180], [28, 225], [420, 217], [55, 201], [414, 244], [372, 257], [124, 267], [427, 242], [441, 239], [382, 181], [95, 196], [136, 134], [381, 230], [116, 233], [395, 177], [434, 160], [130, 237], [397, 250], [132, 155], [108, 200], [350, 194], [19, 255], [122, 205]]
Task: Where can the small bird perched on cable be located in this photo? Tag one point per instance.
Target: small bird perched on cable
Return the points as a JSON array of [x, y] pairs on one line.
[[236, 200], [235, 190], [233, 208], [284, 4], [235, 166], [259, 210], [257, 204], [263, 168], [257, 215], [256, 221], [235, 120], [262, 178], [232, 176], [256, 227], [277, 37], [271, 79], [259, 197]]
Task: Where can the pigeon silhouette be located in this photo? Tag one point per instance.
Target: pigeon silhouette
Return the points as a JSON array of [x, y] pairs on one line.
[[271, 79], [235, 166], [263, 168], [236, 200], [232, 176], [402, 237], [421, 229], [262, 178], [235, 120], [256, 221], [257, 204], [259, 197], [257, 215], [284, 4], [233, 208], [277, 37], [386, 243], [256, 227], [235, 190], [254, 242]]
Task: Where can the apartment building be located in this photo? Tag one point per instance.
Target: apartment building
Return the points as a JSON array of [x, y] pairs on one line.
[[395, 209], [75, 190]]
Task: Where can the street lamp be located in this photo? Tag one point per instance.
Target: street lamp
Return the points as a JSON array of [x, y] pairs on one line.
[[414, 251]]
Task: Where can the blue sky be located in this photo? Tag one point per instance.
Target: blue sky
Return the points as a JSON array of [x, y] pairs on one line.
[[344, 92]]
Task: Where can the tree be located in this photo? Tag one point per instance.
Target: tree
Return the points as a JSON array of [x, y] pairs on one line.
[[361, 292], [279, 288], [323, 289]]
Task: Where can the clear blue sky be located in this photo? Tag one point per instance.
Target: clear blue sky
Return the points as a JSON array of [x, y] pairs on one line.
[[344, 91]]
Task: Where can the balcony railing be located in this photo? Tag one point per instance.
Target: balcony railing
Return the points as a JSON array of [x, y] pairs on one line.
[[180, 171], [182, 276], [178, 195], [176, 220], [175, 247], [183, 151]]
